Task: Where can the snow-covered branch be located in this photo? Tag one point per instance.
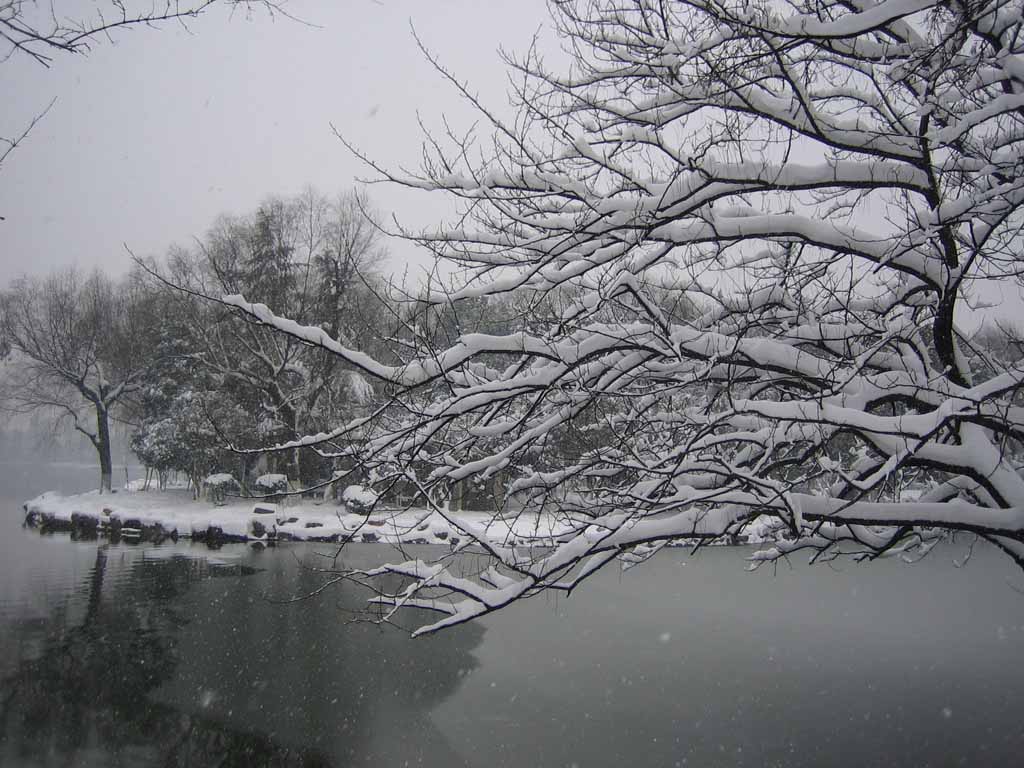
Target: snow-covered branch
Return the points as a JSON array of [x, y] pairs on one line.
[[745, 235]]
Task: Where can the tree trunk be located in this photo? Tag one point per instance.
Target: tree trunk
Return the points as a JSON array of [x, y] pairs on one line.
[[243, 475], [498, 490], [103, 448]]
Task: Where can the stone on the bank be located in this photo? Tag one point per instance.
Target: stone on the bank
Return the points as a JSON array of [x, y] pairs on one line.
[[257, 529]]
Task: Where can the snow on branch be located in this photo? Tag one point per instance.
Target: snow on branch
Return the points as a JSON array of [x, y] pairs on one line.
[[740, 239]]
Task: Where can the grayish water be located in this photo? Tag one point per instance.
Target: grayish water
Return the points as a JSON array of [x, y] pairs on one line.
[[170, 656]]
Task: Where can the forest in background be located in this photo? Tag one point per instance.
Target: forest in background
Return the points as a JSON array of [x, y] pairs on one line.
[[152, 367]]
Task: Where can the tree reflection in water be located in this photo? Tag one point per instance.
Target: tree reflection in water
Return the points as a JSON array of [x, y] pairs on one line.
[[179, 662]]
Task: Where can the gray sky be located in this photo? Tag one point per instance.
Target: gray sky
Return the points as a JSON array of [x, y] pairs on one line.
[[155, 135]]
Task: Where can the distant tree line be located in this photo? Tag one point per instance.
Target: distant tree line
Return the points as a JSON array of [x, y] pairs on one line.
[[188, 378], [200, 388]]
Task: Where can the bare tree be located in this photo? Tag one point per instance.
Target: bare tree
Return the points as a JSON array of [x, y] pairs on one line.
[[78, 347], [826, 183]]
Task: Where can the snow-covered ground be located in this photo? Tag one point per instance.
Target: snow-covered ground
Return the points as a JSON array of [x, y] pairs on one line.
[[173, 513], [134, 513]]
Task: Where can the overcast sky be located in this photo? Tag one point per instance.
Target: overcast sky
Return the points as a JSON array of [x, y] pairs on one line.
[[153, 136]]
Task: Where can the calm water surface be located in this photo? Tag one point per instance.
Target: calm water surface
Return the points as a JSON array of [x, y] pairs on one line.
[[171, 656]]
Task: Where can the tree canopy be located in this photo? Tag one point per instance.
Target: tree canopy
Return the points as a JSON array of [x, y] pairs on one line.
[[229, 381]]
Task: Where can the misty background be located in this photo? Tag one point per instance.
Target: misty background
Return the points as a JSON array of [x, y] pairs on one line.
[[158, 131]]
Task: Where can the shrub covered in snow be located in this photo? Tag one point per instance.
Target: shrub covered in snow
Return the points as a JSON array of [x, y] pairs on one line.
[[272, 484], [178, 434], [218, 486], [359, 499]]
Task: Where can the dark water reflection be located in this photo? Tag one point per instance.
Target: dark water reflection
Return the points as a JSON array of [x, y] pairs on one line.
[[177, 661], [170, 656]]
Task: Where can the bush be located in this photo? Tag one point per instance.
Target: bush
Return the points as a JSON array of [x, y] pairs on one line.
[[218, 486], [359, 499], [270, 485]]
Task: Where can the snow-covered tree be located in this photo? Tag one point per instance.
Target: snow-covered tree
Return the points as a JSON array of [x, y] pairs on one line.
[[80, 348], [191, 436], [314, 258], [828, 185]]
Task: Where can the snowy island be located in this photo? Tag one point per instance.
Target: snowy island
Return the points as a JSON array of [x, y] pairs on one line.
[[156, 516], [172, 514]]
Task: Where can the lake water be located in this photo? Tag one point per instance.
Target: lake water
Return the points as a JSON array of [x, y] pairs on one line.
[[172, 656]]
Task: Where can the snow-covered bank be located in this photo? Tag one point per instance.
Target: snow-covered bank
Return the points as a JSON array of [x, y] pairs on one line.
[[173, 514], [158, 515]]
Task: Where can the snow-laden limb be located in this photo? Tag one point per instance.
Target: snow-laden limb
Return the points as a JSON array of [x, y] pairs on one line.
[[736, 240]]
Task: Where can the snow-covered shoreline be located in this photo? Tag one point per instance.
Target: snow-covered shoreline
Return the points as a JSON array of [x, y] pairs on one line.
[[155, 516], [173, 514]]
